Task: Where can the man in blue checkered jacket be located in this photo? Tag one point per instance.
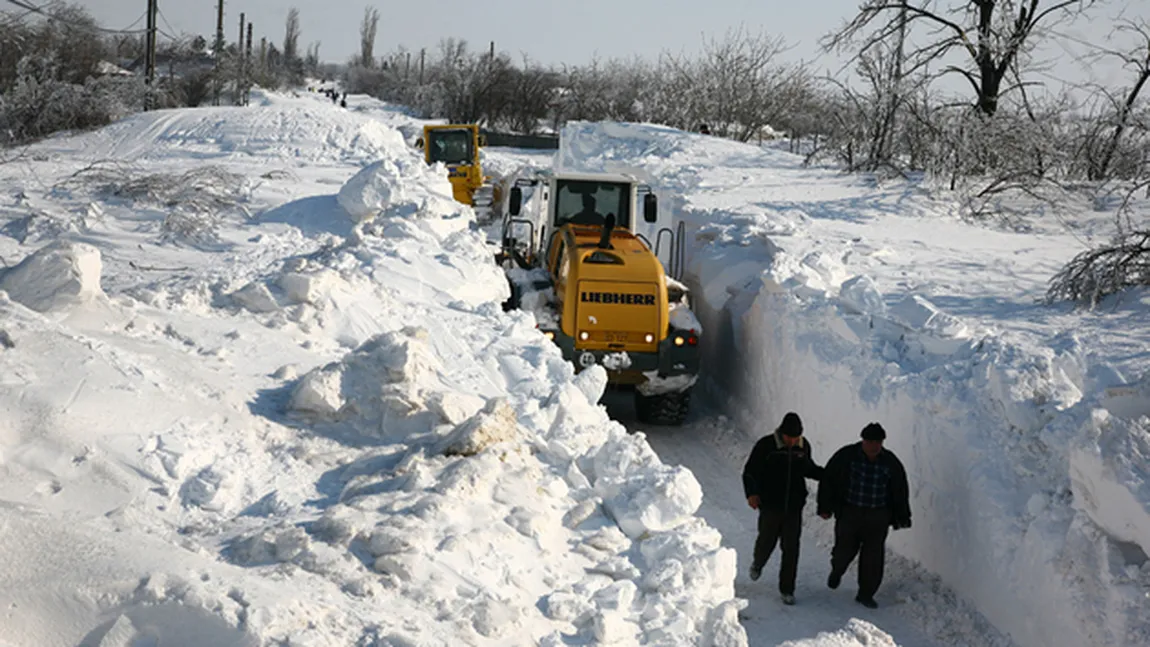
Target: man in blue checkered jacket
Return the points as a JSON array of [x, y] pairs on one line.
[[864, 487]]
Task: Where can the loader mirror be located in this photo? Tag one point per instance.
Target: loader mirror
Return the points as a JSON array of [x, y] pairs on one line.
[[482, 141], [650, 207], [419, 143], [515, 201]]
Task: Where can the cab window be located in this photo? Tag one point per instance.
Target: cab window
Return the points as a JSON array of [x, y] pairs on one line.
[[450, 146], [588, 203]]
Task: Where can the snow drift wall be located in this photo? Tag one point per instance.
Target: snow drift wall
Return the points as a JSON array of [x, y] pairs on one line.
[[1028, 498]]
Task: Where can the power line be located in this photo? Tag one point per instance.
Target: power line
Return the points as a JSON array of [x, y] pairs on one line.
[[40, 10], [166, 24], [135, 22]]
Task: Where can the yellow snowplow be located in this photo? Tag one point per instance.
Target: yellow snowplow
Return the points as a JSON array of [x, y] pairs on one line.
[[457, 147], [574, 258]]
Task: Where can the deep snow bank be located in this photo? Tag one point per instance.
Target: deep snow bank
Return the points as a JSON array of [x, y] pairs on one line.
[[604, 536], [326, 432], [1026, 500]]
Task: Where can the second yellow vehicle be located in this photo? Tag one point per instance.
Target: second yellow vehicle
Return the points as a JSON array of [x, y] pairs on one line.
[[457, 147]]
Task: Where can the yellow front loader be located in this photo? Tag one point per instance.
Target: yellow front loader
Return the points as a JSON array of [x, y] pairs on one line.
[[575, 258], [457, 147]]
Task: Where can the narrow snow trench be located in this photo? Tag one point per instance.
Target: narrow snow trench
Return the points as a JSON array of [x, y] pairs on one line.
[[916, 609]]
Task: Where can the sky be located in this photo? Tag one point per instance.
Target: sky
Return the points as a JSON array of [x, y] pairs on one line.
[[259, 388], [550, 32], [577, 33]]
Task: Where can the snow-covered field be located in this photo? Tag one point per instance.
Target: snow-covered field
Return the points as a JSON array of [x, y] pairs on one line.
[[258, 389]]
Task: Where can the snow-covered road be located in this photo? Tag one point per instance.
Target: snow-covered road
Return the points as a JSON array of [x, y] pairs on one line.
[[915, 611]]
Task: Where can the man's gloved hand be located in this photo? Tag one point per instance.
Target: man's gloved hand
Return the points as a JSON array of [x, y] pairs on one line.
[[899, 524]]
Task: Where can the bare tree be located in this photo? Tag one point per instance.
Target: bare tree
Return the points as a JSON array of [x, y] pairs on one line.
[[367, 30], [1003, 30], [1101, 155], [471, 87], [532, 92], [737, 86], [311, 60], [291, 35]]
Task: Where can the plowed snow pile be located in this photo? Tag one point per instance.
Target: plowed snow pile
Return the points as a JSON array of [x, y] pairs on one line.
[[302, 417], [1024, 427]]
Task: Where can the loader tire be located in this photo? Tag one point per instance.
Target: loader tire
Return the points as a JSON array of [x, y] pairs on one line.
[[668, 409]]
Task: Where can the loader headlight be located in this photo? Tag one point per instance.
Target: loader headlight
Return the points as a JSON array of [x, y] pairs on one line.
[[549, 334], [649, 338], [584, 336], [679, 340]]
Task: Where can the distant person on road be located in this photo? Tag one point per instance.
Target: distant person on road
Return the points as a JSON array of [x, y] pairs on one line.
[[864, 487], [774, 481]]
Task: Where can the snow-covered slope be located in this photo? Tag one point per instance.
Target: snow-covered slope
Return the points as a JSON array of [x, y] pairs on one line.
[[1023, 426], [258, 389]]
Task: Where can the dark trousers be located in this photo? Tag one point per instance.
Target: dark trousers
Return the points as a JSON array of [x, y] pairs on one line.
[[861, 532], [776, 526]]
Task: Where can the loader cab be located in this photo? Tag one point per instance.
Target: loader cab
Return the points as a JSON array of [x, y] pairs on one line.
[[587, 202], [450, 146]]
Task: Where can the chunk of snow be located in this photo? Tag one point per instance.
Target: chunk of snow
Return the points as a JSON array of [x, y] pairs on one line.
[[860, 295], [59, 274], [255, 297], [658, 500], [497, 423], [918, 313]]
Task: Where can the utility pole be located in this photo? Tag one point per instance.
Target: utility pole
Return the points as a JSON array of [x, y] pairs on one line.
[[248, 66], [150, 57], [219, 51], [422, 55], [238, 96]]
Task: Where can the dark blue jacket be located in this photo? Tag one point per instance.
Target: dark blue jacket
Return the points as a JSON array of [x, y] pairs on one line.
[[778, 474]]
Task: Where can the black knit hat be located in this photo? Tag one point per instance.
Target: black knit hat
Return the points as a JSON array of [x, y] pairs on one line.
[[873, 431], [792, 425]]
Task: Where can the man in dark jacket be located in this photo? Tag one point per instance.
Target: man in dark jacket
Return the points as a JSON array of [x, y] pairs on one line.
[[774, 480], [864, 487]]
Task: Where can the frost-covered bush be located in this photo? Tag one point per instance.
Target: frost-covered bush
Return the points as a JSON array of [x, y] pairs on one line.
[[39, 104], [194, 202], [1100, 272]]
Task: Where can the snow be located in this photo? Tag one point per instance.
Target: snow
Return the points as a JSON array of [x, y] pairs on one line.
[[1021, 424], [305, 418], [291, 410]]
